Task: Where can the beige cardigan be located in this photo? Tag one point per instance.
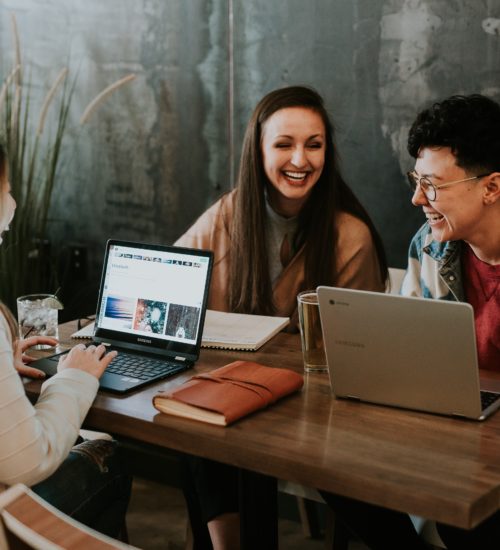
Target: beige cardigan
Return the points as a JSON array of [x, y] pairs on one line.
[[34, 440], [357, 261]]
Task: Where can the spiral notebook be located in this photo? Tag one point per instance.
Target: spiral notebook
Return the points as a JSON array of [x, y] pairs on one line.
[[85, 332], [239, 331], [236, 331]]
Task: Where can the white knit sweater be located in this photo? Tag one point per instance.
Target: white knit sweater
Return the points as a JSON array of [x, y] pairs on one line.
[[34, 440]]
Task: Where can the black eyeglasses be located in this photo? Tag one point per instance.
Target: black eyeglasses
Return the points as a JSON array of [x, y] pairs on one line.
[[428, 188]]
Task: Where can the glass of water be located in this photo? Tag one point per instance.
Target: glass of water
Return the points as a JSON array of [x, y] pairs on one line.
[[37, 315]]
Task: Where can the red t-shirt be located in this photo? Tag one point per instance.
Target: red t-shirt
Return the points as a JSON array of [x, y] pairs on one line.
[[482, 291]]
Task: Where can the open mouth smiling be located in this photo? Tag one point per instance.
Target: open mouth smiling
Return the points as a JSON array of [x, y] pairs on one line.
[[434, 217], [295, 176]]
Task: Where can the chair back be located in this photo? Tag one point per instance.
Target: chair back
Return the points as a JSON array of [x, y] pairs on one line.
[[27, 521]]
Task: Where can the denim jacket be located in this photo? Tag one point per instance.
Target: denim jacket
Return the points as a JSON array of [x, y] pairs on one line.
[[434, 269]]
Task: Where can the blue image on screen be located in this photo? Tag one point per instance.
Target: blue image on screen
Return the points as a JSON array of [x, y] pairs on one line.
[[120, 308]]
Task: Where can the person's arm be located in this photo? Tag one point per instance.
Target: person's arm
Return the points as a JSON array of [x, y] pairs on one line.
[[34, 440]]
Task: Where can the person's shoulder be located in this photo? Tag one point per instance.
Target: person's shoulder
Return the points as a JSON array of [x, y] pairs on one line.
[[4, 325], [352, 229], [423, 242], [220, 208], [423, 236], [213, 220], [5, 336], [224, 202], [421, 239]]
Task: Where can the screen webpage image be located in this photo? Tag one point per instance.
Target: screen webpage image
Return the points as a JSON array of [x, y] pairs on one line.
[[153, 293]]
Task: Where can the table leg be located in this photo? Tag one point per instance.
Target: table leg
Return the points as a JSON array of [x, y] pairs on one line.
[[258, 511]]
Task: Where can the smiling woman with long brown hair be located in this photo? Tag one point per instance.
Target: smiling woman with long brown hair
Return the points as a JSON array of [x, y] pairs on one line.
[[291, 224]]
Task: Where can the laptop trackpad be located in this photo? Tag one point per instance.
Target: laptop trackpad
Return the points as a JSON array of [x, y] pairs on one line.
[[117, 382]]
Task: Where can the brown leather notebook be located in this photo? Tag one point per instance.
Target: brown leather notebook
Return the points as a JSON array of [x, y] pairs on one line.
[[228, 393]]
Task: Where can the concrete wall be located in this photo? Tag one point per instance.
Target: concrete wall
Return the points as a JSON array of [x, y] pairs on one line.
[[155, 154], [164, 147]]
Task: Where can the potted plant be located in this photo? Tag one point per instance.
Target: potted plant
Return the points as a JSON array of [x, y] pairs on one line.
[[34, 151]]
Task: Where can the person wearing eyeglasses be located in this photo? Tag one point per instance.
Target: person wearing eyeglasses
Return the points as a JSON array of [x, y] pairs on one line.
[[456, 181], [455, 255]]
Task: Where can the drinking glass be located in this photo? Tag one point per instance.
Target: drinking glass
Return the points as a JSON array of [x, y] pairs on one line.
[[311, 334], [37, 315]]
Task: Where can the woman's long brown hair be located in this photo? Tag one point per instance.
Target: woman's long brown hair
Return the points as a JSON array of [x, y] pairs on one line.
[[4, 310], [250, 287]]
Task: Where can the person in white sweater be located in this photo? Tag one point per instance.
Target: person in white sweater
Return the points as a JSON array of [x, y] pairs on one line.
[[38, 442]]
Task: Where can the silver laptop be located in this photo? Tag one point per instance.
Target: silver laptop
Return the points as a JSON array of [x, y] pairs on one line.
[[406, 352]]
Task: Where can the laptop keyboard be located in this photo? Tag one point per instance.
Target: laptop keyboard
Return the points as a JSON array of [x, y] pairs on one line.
[[488, 398], [142, 368]]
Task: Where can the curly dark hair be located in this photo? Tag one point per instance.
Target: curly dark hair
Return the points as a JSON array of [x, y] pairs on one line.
[[469, 125]]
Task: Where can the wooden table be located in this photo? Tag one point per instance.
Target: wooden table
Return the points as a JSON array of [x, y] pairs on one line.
[[441, 468]]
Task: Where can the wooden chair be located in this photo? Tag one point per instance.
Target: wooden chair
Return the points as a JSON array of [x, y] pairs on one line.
[[27, 521]]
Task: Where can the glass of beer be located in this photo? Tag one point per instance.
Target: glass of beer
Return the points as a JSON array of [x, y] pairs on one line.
[[311, 335]]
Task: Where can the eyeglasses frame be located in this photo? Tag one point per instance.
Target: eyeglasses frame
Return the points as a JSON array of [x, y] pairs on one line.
[[414, 181]]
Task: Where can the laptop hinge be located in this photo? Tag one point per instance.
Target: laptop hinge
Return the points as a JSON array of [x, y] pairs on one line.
[[177, 358]]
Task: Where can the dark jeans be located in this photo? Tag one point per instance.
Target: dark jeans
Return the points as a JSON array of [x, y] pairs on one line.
[[91, 486], [383, 529]]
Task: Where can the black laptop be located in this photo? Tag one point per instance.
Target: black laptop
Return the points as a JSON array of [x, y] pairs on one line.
[[151, 309]]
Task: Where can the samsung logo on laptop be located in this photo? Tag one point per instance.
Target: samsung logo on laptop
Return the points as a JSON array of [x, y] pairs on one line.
[[349, 343], [144, 340], [339, 303]]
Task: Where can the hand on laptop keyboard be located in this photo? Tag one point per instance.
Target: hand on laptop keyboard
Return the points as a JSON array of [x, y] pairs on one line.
[[91, 359]]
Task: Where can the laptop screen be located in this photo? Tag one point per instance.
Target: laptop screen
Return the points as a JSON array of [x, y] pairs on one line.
[[153, 296]]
